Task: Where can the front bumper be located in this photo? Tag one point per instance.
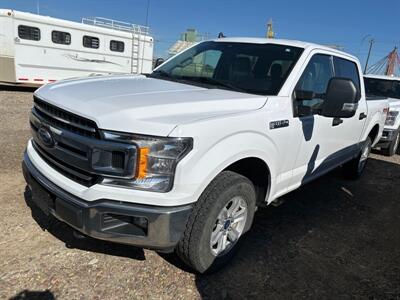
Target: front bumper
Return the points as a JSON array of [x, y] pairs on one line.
[[153, 227], [388, 136]]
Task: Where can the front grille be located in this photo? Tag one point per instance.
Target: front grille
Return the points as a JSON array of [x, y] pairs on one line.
[[77, 150], [66, 120], [71, 172]]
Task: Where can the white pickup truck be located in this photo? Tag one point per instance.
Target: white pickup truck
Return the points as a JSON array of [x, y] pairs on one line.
[[180, 159], [387, 86]]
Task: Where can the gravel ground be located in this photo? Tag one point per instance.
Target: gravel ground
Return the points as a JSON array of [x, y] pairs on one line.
[[331, 239]]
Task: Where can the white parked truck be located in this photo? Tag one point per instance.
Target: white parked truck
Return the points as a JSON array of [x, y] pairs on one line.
[[180, 159], [38, 49], [387, 86]]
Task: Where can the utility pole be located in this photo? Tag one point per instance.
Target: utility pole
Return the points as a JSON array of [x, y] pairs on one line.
[[145, 36], [371, 42], [147, 13]]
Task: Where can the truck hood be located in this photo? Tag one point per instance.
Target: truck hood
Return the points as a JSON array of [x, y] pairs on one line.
[[144, 105]]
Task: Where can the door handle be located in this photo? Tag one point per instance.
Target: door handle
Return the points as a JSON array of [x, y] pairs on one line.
[[337, 121], [362, 116]]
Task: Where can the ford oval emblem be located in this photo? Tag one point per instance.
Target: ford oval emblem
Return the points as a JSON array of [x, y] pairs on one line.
[[46, 137]]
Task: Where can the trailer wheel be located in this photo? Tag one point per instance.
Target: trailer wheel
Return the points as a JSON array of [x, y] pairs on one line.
[[223, 213]]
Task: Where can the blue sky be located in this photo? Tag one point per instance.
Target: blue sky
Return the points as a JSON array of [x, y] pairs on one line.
[[340, 22]]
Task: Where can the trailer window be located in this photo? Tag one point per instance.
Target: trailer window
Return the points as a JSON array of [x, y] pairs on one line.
[[29, 33], [60, 37], [117, 46], [91, 42]]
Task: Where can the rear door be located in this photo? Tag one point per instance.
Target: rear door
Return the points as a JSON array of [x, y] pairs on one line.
[[351, 129]]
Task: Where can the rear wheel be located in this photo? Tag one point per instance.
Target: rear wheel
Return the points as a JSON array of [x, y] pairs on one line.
[[223, 213], [393, 147], [354, 168]]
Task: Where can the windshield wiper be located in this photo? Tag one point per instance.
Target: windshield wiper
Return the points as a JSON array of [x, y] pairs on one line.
[[219, 83]]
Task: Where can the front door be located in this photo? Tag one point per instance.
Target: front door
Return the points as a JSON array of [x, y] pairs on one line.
[[324, 143]]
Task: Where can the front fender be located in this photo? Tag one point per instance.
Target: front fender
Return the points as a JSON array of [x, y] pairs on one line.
[[202, 165]]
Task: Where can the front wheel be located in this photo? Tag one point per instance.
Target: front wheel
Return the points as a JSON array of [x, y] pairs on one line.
[[223, 213], [354, 168]]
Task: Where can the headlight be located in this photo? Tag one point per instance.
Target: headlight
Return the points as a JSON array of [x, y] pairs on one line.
[[157, 158], [391, 118]]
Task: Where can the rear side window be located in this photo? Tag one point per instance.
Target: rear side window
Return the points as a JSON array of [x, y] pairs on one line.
[[29, 33], [60, 37], [347, 69], [117, 46], [382, 88], [91, 42]]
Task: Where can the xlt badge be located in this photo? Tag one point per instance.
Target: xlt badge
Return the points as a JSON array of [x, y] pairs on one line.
[[278, 124]]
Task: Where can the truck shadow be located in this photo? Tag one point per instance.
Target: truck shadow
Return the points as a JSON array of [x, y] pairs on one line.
[[34, 295], [331, 238], [67, 235]]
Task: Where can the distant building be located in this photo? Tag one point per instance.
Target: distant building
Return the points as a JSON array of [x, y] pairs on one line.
[[188, 38]]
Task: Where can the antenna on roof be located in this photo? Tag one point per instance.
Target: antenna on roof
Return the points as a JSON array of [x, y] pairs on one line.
[[38, 7]]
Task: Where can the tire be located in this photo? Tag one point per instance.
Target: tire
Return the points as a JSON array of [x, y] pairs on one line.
[[398, 148], [393, 147], [196, 248], [355, 167]]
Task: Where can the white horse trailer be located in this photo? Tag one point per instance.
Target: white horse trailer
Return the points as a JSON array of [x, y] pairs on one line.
[[38, 49]]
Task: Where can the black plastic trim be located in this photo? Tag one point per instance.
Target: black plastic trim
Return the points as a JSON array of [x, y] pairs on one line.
[[165, 224]]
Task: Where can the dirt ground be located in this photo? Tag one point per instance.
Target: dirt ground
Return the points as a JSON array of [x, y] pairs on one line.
[[333, 239]]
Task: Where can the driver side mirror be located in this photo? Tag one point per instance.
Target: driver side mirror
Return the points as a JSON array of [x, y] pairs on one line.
[[341, 99]]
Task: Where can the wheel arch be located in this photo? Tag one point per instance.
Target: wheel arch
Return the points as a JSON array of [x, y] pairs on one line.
[[373, 134], [232, 153], [258, 172]]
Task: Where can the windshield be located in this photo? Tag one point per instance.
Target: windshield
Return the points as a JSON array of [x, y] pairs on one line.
[[382, 87], [244, 67]]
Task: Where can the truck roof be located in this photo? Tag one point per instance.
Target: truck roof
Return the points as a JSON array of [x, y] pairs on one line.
[[293, 43], [384, 77]]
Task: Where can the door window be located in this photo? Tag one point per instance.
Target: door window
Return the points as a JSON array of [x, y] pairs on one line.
[[312, 85], [347, 69], [382, 87]]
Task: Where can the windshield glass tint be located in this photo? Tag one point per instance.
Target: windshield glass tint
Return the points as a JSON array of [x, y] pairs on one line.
[[252, 68], [382, 87]]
